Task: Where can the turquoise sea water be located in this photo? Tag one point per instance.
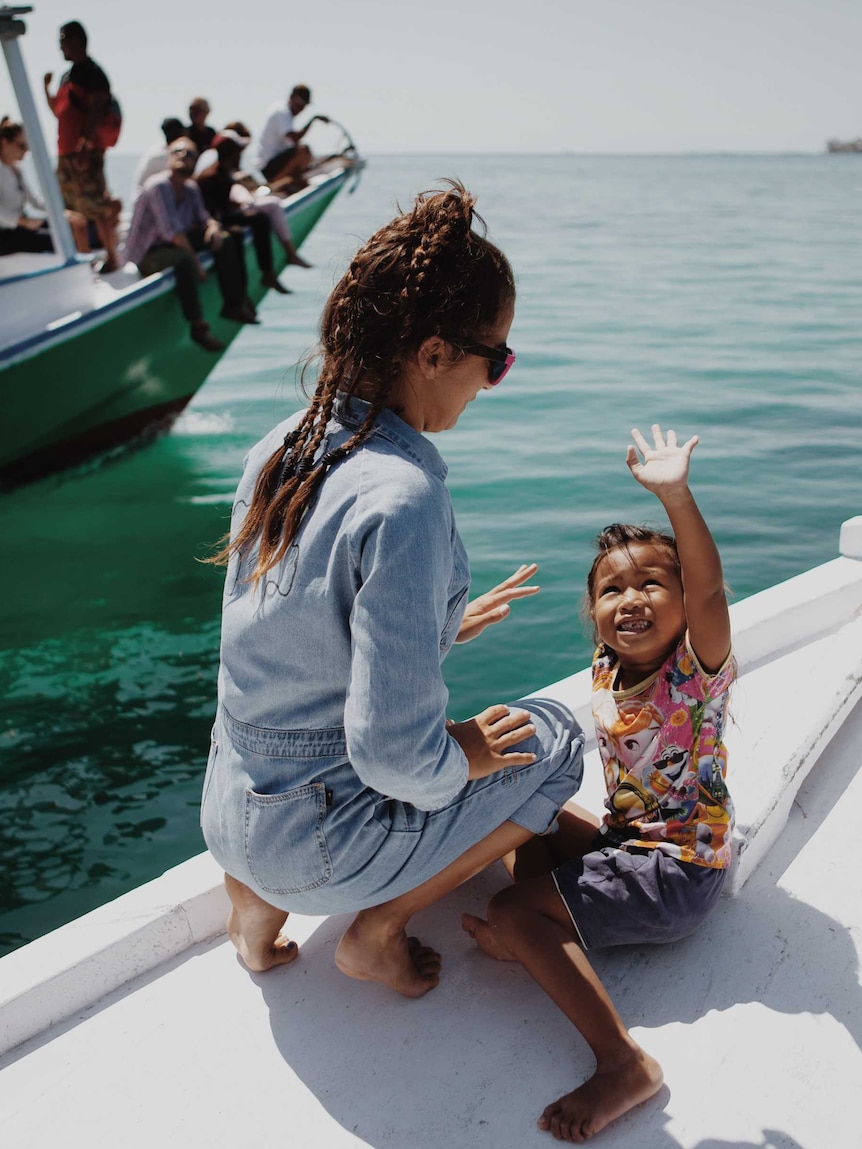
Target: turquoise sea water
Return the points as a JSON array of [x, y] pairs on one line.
[[718, 295]]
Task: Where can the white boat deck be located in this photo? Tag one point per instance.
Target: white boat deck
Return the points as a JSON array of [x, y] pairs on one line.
[[757, 1019]]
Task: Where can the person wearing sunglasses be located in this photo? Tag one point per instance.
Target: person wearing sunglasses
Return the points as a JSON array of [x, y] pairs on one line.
[[335, 782], [170, 226], [19, 230], [500, 360]]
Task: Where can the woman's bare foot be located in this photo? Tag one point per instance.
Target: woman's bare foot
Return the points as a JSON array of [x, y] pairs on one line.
[[296, 260], [485, 939], [369, 952], [253, 926], [609, 1093]]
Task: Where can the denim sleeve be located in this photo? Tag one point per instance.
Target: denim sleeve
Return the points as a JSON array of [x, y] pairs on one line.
[[395, 712]]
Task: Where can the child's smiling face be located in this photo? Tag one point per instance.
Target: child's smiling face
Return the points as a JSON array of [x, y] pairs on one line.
[[638, 606]]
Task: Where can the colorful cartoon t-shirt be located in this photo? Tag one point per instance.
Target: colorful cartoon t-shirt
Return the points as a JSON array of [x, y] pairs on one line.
[[664, 759]]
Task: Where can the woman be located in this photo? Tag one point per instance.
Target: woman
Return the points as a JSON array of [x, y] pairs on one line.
[[18, 231], [335, 782]]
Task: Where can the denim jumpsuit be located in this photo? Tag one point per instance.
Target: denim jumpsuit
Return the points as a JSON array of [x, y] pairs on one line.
[[332, 784]]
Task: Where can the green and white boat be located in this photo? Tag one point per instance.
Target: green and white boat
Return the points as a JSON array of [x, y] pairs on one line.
[[89, 362]]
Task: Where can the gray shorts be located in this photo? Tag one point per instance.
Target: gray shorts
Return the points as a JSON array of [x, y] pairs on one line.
[[619, 897]]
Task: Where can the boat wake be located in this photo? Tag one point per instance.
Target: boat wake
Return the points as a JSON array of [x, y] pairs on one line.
[[203, 423]]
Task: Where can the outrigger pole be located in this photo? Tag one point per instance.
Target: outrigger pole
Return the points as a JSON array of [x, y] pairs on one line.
[[10, 29]]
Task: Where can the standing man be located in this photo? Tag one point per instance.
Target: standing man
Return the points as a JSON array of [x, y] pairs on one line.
[[280, 153], [82, 105], [170, 225]]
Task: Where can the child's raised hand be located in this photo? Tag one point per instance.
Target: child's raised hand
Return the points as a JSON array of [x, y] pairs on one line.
[[665, 466]]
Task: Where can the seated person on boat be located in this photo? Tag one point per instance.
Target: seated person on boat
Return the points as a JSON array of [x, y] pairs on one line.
[[170, 225], [216, 185], [281, 155], [248, 195], [155, 160], [18, 230]]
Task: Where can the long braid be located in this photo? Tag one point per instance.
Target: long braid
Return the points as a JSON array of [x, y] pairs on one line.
[[427, 273]]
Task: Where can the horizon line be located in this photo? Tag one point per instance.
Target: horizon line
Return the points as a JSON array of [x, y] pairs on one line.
[[586, 154]]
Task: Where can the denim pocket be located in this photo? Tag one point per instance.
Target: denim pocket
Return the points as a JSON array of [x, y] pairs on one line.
[[285, 846]]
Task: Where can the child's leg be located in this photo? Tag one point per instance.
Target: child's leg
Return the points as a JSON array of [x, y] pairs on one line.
[[576, 830], [530, 923]]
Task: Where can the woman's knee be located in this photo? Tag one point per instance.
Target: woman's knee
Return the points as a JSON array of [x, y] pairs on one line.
[[558, 745], [557, 730]]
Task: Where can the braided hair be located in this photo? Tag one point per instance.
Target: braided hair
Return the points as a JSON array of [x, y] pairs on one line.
[[427, 273]]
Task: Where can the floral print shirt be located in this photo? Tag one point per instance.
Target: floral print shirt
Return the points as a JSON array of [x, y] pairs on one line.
[[664, 758]]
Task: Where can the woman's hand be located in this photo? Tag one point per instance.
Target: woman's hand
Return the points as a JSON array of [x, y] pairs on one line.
[[665, 466], [493, 606], [486, 739]]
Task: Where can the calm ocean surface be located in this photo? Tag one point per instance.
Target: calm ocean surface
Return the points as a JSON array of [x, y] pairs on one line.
[[717, 295]]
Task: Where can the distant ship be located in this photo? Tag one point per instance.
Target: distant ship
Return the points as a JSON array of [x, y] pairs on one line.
[[844, 146]]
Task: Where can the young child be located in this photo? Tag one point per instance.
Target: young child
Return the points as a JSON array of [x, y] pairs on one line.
[[653, 869]]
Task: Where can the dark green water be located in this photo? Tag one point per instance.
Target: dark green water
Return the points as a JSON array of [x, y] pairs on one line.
[[718, 295]]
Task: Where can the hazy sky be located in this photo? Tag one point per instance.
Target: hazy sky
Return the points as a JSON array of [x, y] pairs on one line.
[[483, 75]]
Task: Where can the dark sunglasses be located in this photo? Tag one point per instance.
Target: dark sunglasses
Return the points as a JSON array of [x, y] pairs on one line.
[[188, 152], [500, 359]]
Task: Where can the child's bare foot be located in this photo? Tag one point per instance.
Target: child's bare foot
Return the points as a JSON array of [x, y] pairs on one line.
[[253, 926], [370, 953], [485, 938], [609, 1093]]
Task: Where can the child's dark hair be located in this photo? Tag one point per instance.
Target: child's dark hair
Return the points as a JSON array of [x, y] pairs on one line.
[[623, 535], [430, 272]]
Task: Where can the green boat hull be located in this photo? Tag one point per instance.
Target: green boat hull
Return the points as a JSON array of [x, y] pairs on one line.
[[124, 371]]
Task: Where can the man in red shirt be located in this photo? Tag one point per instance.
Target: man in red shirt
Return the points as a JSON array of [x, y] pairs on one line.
[[82, 105]]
